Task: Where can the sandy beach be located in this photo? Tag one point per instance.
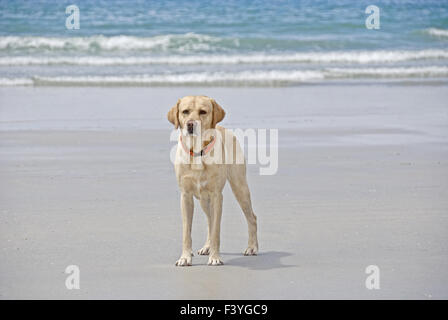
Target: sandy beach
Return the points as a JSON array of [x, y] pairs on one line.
[[85, 179]]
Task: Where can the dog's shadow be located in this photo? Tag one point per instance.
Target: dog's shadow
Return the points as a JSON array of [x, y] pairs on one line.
[[263, 261]]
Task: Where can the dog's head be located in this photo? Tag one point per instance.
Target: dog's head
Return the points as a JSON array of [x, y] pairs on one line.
[[196, 112]]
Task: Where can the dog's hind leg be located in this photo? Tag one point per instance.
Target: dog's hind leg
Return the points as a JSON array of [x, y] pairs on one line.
[[205, 204], [236, 175]]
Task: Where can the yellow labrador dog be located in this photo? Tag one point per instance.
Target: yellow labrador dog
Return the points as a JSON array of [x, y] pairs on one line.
[[199, 175]]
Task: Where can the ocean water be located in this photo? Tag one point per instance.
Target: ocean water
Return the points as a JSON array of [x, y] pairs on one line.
[[221, 43]]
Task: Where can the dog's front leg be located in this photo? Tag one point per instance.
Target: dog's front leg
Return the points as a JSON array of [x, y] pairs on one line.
[[216, 213], [187, 207]]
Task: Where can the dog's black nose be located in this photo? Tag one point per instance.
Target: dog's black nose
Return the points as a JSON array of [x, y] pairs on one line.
[[190, 127]]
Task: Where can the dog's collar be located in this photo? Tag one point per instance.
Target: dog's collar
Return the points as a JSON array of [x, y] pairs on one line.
[[201, 153]]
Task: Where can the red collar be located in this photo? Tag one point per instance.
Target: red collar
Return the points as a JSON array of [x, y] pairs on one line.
[[201, 153]]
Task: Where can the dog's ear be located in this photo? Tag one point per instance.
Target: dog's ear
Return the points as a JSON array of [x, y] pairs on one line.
[[218, 113], [173, 115]]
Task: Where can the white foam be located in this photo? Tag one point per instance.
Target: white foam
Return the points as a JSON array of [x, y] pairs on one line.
[[195, 78], [16, 82], [181, 42], [441, 33], [249, 78], [400, 72], [362, 57]]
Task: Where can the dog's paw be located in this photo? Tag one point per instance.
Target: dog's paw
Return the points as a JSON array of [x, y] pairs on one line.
[[251, 251], [215, 261], [184, 261], [204, 251]]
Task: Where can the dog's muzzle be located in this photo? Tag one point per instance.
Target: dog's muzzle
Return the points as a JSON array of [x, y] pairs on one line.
[[191, 125]]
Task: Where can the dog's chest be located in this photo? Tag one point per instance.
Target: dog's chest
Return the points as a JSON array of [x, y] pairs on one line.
[[198, 181]]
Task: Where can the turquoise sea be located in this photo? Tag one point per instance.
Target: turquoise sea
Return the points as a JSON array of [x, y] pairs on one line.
[[221, 43]]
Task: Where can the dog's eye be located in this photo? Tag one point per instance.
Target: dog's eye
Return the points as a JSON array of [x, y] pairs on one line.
[[202, 112], [186, 112]]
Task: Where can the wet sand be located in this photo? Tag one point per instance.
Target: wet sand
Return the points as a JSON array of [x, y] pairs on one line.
[[85, 179]]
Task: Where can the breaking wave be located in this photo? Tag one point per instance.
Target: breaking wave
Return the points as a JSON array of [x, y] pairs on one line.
[[248, 78], [361, 57], [440, 33], [180, 43]]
